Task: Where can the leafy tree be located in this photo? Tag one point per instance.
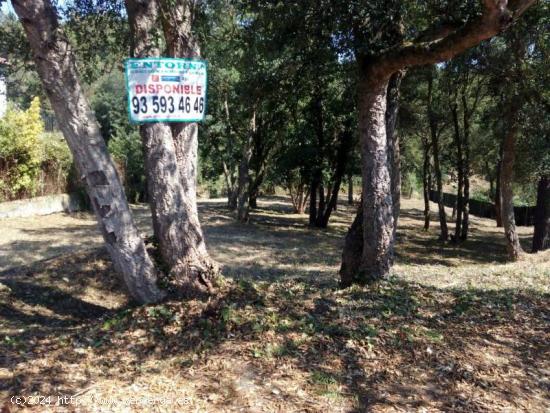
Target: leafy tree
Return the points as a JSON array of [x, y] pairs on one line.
[[383, 45]]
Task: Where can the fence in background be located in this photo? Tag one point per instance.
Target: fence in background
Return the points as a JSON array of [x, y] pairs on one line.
[[525, 216]]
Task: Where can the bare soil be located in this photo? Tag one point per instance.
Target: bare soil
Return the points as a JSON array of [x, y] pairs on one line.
[[456, 327]]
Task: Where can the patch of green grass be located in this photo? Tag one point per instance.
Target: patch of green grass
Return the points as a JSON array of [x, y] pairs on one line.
[[160, 311], [325, 384]]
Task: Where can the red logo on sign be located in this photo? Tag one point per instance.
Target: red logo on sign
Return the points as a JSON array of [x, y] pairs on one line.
[[155, 78]]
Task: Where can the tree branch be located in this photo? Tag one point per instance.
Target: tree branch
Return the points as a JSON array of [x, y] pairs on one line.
[[497, 15]]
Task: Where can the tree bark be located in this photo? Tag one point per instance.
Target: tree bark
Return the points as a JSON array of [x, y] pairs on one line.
[[353, 252], [394, 155], [231, 186], [171, 154], [513, 245], [378, 214], [426, 183], [498, 195], [243, 187], [541, 236], [460, 174], [467, 112], [56, 66], [243, 205]]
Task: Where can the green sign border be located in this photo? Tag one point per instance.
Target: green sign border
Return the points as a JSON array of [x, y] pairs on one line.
[[188, 59]]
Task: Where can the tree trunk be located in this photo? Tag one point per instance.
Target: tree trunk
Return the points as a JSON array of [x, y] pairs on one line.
[[368, 248], [378, 217], [243, 206], [243, 188], [299, 197], [353, 251], [513, 246], [426, 184], [171, 155], [394, 154], [444, 232], [467, 113], [541, 236], [342, 156], [460, 174], [498, 195], [378, 223], [55, 64], [465, 204], [253, 195], [231, 188]]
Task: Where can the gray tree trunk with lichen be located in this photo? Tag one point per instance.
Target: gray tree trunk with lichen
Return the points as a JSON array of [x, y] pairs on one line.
[[171, 152], [56, 67]]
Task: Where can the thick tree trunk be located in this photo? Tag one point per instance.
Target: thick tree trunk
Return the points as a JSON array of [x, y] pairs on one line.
[[55, 64], [541, 236], [253, 193], [378, 220], [353, 252], [171, 156], [378, 217], [368, 248], [513, 246], [426, 184]]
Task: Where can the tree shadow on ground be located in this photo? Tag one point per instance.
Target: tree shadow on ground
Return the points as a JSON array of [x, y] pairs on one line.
[[395, 344], [485, 243]]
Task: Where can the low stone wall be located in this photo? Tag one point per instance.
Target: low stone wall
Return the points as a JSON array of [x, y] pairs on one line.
[[42, 205]]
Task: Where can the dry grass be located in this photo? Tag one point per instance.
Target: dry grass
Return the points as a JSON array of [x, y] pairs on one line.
[[456, 328]]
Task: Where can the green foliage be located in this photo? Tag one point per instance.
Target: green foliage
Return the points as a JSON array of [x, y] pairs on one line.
[[110, 107], [20, 150], [126, 149]]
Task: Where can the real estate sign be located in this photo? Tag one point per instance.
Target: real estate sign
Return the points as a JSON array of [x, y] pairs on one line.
[[166, 89], [3, 96]]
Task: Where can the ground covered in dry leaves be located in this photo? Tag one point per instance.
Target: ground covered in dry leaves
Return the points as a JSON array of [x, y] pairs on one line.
[[455, 328]]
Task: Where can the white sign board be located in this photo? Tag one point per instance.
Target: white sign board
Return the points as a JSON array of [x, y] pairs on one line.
[[166, 89], [3, 97]]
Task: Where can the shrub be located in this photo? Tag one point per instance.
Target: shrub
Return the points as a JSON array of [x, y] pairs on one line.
[[55, 163], [20, 151]]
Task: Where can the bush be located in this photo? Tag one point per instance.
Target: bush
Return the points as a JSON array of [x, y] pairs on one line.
[[20, 151], [55, 164], [126, 149]]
